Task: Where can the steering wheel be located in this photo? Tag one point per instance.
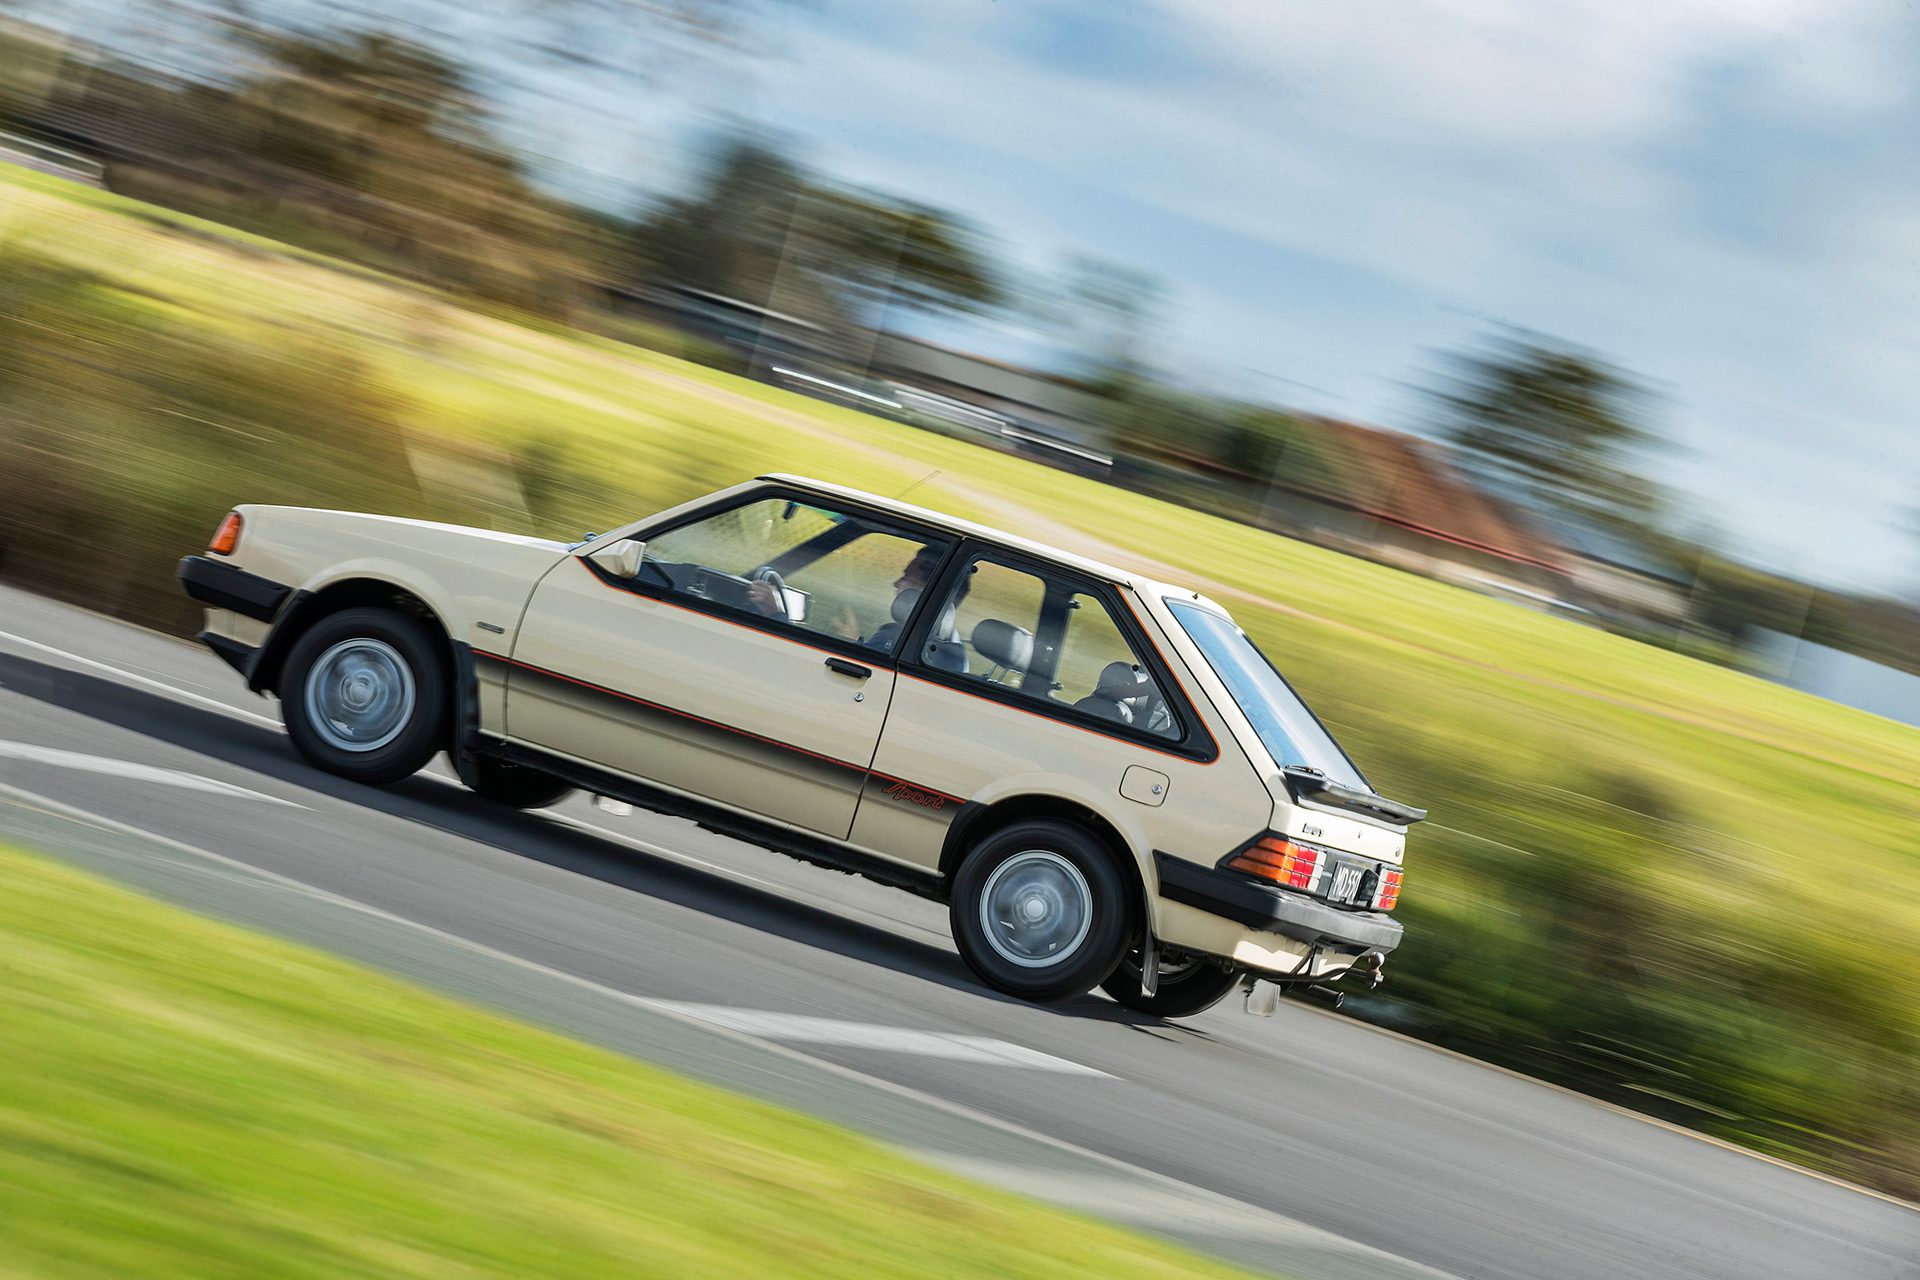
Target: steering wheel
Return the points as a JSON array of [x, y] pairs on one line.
[[766, 574]]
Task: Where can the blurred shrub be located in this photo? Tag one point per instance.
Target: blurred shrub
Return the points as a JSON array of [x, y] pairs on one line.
[[128, 424], [1554, 938]]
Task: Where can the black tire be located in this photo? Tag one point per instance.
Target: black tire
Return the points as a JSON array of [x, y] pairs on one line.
[[514, 785], [389, 644], [1180, 993], [1088, 956]]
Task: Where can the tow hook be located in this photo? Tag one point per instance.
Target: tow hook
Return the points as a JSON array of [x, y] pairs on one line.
[[1372, 964]]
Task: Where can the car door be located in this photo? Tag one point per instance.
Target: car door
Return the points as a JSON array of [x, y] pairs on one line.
[[1024, 671], [747, 660]]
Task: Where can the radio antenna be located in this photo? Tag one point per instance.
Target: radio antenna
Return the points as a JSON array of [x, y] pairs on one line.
[[916, 484]]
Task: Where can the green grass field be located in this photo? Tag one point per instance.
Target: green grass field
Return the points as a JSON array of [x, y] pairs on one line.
[[1659, 880], [185, 1098]]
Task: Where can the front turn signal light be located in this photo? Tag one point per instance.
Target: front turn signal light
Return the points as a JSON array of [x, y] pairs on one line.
[[1278, 860], [227, 536]]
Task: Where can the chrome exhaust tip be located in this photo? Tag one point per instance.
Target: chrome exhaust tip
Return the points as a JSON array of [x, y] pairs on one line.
[[1325, 995]]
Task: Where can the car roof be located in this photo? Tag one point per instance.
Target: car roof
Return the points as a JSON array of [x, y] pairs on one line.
[[985, 533]]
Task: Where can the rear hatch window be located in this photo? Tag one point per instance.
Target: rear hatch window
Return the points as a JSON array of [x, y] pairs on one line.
[[1290, 732]]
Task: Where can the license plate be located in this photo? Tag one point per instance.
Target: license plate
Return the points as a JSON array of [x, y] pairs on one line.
[[1346, 882]]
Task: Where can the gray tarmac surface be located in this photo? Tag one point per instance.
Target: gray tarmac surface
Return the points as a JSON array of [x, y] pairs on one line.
[[1309, 1141]]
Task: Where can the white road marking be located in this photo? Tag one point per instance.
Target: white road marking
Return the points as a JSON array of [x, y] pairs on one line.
[[225, 865], [1151, 1206], [128, 769], [124, 674], [432, 772], [77, 814], [797, 1029]]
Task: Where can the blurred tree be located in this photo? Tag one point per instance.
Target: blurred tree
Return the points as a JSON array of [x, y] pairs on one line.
[[759, 224], [394, 142], [1559, 425], [1112, 309]]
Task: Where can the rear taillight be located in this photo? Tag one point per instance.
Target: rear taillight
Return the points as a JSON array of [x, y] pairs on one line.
[[227, 536], [1389, 895], [1281, 861]]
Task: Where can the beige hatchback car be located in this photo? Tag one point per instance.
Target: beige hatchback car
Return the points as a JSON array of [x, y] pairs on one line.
[[1100, 774]]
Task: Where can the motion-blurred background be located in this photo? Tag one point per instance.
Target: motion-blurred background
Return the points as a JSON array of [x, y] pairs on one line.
[[1570, 359]]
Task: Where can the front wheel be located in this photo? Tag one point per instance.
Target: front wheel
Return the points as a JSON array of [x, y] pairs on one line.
[[515, 785], [1039, 911], [1184, 988], [364, 695]]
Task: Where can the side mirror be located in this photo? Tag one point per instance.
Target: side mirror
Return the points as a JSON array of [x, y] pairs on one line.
[[621, 559]]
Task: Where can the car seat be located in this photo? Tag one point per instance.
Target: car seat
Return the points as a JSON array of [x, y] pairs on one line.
[[1121, 688], [1006, 648], [944, 651]]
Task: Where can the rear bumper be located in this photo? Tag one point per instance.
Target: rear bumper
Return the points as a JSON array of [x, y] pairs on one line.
[[219, 585], [1275, 910]]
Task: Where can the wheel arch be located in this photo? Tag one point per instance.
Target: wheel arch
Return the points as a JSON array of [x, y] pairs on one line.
[[307, 607], [978, 821]]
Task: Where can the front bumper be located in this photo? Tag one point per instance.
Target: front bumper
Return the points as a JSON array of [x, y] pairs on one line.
[[1274, 910], [224, 586]]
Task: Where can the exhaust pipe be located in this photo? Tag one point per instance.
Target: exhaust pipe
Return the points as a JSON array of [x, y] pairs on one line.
[[1325, 995]]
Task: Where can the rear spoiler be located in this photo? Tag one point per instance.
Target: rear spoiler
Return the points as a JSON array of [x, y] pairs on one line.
[[1311, 784]]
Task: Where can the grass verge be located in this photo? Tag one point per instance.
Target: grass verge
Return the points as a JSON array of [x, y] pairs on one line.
[[185, 1098], [1666, 883]]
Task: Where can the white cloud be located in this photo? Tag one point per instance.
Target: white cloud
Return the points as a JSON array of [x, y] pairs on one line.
[[1519, 71], [1578, 167]]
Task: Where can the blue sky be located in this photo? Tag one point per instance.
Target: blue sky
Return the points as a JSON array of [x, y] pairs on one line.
[[1721, 196]]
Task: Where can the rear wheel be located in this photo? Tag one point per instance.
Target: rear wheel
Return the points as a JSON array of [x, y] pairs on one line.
[[1039, 911], [364, 695], [1185, 987], [514, 785]]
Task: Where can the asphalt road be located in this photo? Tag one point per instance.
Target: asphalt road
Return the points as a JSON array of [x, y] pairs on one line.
[[1348, 1129]]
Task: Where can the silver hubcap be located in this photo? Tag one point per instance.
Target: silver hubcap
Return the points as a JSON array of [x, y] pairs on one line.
[[359, 695], [1036, 909]]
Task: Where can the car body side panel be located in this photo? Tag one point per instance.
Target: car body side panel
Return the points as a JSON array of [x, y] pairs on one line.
[[1322, 826], [680, 697], [472, 579], [943, 745]]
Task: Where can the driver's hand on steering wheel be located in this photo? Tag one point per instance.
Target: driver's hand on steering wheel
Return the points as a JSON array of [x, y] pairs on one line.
[[762, 598]]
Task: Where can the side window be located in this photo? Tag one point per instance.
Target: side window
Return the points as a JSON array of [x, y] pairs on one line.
[[1050, 639], [810, 567], [988, 627]]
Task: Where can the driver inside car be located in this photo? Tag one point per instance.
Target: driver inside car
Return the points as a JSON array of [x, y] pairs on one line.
[[764, 598]]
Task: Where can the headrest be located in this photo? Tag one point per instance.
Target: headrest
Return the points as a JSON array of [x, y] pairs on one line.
[[903, 602], [1003, 644], [1121, 681]]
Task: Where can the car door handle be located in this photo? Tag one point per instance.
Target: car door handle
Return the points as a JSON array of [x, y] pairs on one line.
[[846, 668]]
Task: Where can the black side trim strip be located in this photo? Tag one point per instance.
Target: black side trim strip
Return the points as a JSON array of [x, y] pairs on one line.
[[225, 586], [634, 699], [1237, 898], [818, 850]]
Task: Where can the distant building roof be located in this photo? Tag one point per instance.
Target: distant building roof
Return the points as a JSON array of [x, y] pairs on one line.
[[1584, 538], [1408, 482]]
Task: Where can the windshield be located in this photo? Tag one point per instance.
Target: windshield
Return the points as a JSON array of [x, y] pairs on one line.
[[1288, 730]]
